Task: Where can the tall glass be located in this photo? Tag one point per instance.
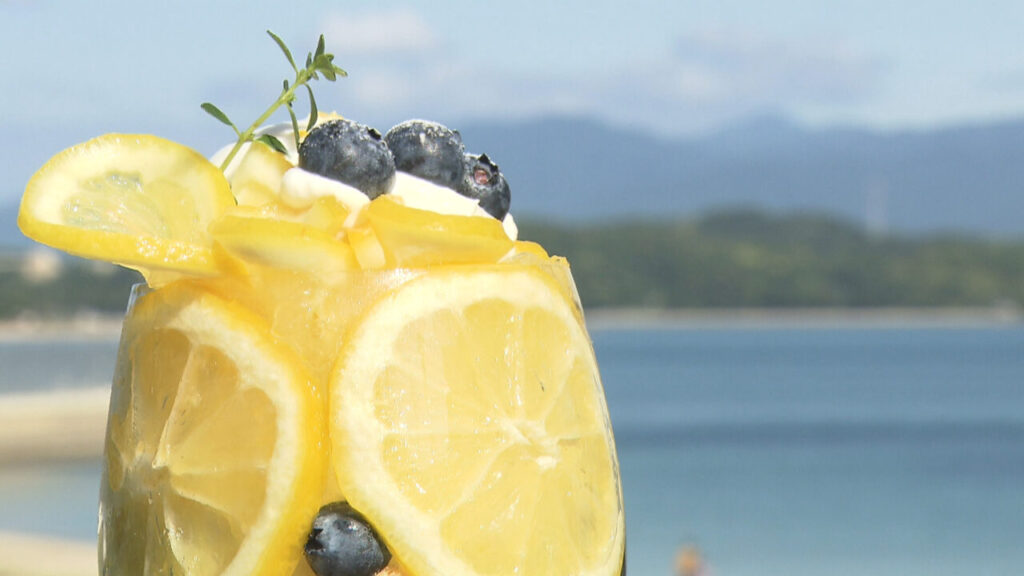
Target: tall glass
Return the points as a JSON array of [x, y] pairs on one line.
[[317, 318]]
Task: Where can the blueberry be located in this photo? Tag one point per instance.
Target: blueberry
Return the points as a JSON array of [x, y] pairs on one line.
[[481, 180], [427, 150], [350, 153], [342, 543]]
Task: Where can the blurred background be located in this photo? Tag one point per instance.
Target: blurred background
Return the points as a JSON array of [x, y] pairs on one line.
[[796, 227]]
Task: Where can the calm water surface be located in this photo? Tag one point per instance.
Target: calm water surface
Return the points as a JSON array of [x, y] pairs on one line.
[[796, 452]]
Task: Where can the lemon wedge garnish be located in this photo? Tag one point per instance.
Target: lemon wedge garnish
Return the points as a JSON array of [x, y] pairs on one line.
[[284, 244], [412, 237], [212, 448], [136, 200], [468, 424]]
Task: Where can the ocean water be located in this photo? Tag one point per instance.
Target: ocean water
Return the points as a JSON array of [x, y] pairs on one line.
[[809, 452], [792, 452], [37, 365]]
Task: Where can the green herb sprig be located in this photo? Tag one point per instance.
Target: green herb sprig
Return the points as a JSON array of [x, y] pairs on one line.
[[318, 64]]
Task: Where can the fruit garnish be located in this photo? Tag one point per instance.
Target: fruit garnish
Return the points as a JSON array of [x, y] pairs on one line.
[[350, 153], [469, 427], [329, 215], [482, 181], [300, 189], [256, 180], [212, 455], [528, 247], [367, 247], [342, 543], [427, 150], [136, 200], [411, 237], [317, 63], [285, 245], [436, 154]]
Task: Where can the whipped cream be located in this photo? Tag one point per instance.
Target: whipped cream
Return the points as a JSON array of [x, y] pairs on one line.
[[300, 188]]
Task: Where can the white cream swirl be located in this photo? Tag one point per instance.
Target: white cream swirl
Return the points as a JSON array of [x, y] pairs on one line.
[[299, 188]]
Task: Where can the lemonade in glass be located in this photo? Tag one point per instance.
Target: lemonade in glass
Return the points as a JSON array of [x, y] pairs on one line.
[[343, 361]]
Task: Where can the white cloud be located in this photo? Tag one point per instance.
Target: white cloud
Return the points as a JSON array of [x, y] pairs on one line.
[[710, 78], [717, 77], [750, 67], [384, 33], [451, 91], [401, 67]]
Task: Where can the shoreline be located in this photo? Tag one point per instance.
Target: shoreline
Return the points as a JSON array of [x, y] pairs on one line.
[[39, 555], [83, 326], [53, 426], [108, 326], [605, 319]]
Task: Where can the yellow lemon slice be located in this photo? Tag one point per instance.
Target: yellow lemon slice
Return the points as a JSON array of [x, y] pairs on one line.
[[411, 237], [527, 247], [328, 214], [136, 200], [284, 244], [468, 424], [212, 463], [257, 179]]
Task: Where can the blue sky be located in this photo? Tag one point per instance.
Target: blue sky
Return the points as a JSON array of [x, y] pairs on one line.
[[677, 67]]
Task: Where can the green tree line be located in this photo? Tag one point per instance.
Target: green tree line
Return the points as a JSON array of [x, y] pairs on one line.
[[746, 258], [735, 258], [80, 287]]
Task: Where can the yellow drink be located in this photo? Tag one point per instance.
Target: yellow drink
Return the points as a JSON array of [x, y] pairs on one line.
[[425, 368]]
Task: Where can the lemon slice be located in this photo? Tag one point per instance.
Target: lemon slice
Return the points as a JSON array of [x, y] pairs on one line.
[[284, 244], [211, 451], [136, 200], [257, 179], [411, 237], [468, 424]]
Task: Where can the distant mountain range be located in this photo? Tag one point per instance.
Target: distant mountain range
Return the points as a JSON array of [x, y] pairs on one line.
[[964, 178]]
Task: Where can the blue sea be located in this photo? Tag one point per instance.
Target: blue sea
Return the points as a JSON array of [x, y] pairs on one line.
[[795, 452]]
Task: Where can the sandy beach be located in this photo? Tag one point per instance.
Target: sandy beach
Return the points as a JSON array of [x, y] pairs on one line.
[[53, 426], [81, 326], [40, 428], [23, 555]]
